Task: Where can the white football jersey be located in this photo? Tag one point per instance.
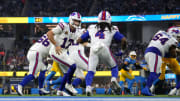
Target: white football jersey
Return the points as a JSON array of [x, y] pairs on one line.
[[162, 41], [43, 46], [64, 37], [74, 37], [105, 37]]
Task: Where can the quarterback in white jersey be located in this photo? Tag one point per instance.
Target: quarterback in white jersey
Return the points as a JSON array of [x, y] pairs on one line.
[[160, 44], [62, 37], [37, 52], [101, 36]]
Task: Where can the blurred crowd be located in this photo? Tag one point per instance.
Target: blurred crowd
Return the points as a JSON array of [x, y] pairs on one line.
[[88, 8]]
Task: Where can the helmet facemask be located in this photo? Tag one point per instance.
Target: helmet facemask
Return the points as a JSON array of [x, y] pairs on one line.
[[75, 20]]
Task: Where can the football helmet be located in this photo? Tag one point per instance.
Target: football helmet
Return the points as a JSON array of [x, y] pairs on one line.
[[104, 16], [174, 31], [132, 55], [75, 16]]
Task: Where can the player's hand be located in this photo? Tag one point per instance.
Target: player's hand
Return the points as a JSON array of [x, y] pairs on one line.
[[58, 50], [162, 76], [145, 68]]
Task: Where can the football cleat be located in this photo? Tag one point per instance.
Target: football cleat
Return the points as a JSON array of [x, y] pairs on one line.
[[152, 89], [115, 85], [71, 89], [19, 89], [88, 91], [178, 92], [42, 91], [62, 93], [145, 91], [172, 92]]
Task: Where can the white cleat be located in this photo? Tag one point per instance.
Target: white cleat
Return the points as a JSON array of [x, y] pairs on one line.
[[62, 93], [44, 91], [71, 89], [178, 92], [152, 89], [88, 91], [115, 84], [172, 92], [19, 89]]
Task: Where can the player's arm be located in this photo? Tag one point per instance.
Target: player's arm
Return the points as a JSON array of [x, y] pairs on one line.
[[57, 30], [124, 66], [172, 51], [83, 37], [138, 66], [120, 38]]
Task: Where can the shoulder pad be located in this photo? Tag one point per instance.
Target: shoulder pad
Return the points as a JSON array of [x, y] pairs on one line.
[[115, 28], [91, 26], [62, 25]]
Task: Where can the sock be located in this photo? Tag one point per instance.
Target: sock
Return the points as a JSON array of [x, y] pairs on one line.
[[156, 81], [177, 78], [89, 78], [48, 78], [76, 82], [153, 76], [121, 83], [70, 73], [114, 71], [57, 81], [178, 85], [63, 82], [41, 78], [27, 79], [55, 86], [131, 83]]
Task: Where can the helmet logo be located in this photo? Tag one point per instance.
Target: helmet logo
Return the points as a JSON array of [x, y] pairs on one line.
[[103, 15], [176, 31], [73, 14]]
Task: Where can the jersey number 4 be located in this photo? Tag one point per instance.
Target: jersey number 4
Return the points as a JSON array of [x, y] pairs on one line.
[[158, 37]]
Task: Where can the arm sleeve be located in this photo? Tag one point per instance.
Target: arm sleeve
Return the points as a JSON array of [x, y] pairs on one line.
[[123, 66], [58, 29], [138, 66], [118, 36], [85, 36]]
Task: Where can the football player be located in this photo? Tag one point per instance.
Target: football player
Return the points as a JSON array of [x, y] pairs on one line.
[[160, 44], [101, 36]]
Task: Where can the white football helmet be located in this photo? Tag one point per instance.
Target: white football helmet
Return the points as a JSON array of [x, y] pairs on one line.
[[174, 31], [75, 16], [104, 16], [132, 55]]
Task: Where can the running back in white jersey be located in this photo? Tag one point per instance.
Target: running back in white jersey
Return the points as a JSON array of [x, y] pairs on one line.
[[43, 46], [162, 41], [97, 35]]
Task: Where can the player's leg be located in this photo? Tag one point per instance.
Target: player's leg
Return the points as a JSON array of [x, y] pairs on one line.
[[159, 80], [53, 71], [122, 79], [82, 64], [79, 77], [33, 58], [175, 68], [93, 61], [41, 79], [131, 81], [154, 62], [108, 59], [67, 62]]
